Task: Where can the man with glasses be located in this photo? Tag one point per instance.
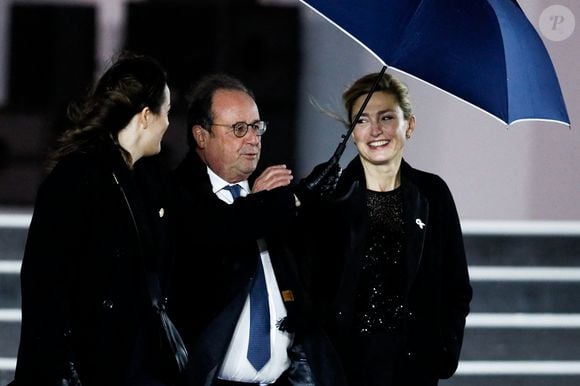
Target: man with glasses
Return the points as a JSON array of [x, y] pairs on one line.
[[239, 303]]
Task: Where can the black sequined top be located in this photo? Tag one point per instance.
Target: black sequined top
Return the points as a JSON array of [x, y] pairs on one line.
[[381, 283]]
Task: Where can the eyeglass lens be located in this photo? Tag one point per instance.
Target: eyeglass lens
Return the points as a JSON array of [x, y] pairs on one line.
[[241, 128]]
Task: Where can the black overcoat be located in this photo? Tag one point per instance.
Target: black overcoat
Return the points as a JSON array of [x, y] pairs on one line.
[[216, 264], [437, 292], [84, 296]]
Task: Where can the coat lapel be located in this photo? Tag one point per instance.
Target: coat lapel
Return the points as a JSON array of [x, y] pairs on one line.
[[416, 212]]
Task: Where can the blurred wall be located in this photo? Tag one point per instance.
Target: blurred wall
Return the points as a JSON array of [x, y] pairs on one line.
[[529, 171], [50, 40]]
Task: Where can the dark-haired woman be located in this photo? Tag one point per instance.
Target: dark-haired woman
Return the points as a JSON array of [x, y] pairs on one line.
[[96, 242]]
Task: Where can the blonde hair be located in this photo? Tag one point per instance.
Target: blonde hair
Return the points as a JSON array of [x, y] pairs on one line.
[[388, 84]]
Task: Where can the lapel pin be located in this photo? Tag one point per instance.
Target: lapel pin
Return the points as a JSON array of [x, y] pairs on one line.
[[288, 295], [420, 223]]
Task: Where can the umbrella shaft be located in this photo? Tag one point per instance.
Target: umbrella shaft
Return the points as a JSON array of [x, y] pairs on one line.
[[342, 146]]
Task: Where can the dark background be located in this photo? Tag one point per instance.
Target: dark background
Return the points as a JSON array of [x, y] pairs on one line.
[[53, 62]]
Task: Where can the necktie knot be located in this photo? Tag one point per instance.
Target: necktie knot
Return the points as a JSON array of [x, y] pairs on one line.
[[235, 190]]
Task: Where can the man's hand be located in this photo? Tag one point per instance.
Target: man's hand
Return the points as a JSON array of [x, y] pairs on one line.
[[272, 177]]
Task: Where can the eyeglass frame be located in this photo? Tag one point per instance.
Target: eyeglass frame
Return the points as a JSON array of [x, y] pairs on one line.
[[255, 126]]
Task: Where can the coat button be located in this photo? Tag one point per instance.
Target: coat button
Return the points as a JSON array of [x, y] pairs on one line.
[[108, 304]]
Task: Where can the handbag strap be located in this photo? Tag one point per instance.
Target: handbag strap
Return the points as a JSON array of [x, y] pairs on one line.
[[158, 301]]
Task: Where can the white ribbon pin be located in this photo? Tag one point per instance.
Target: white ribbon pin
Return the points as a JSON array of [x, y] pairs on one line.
[[420, 223]]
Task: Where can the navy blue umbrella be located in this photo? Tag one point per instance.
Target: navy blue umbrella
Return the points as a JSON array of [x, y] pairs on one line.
[[485, 52]]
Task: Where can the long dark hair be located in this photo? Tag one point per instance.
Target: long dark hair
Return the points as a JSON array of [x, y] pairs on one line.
[[131, 83]]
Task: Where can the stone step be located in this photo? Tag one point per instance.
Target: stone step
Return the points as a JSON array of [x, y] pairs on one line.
[[488, 296], [487, 344], [521, 344], [479, 343], [457, 380], [526, 296], [481, 249], [9, 290], [13, 231], [10, 337], [512, 380], [522, 250], [6, 376], [12, 241]]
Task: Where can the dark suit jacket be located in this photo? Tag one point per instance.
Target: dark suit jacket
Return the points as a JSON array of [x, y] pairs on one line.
[[438, 291], [84, 297], [215, 271]]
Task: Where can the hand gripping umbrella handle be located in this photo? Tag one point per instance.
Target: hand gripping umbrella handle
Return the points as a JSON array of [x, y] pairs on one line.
[[342, 145]]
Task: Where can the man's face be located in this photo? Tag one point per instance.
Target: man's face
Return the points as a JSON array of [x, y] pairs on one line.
[[233, 159]]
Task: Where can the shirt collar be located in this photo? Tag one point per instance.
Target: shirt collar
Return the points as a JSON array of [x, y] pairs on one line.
[[219, 183]]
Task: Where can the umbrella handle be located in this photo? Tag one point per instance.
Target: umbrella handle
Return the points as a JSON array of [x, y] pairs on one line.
[[342, 145]]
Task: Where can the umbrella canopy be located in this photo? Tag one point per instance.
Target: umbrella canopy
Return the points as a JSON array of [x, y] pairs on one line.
[[485, 52]]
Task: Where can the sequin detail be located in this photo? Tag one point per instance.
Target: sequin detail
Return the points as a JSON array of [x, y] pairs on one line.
[[379, 302]]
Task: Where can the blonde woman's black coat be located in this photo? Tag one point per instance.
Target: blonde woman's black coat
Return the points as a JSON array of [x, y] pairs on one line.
[[437, 292]]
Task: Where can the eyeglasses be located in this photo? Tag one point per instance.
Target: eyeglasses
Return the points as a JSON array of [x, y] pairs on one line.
[[240, 129]]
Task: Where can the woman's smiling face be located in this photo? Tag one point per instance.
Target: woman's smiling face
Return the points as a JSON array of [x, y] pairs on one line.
[[380, 133]]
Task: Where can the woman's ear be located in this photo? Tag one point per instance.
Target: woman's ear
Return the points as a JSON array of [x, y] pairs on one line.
[[410, 127], [144, 116]]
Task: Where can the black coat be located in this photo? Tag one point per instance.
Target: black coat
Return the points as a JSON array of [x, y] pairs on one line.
[[84, 295], [215, 272], [437, 292]]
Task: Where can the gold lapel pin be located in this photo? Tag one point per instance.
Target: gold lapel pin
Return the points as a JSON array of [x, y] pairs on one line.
[[288, 295]]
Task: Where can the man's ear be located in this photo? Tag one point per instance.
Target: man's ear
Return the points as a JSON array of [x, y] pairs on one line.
[[199, 134]]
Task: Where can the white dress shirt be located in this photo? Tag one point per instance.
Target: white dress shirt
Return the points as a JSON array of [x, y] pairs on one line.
[[236, 366]]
